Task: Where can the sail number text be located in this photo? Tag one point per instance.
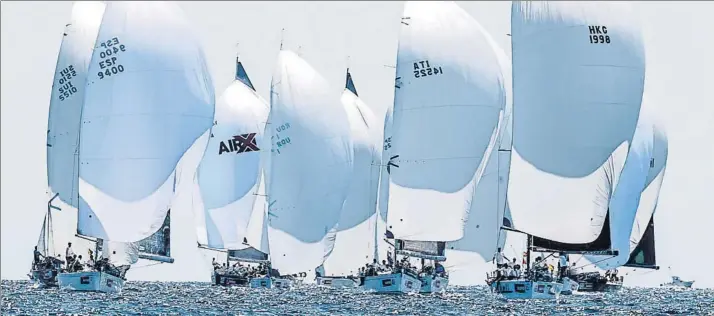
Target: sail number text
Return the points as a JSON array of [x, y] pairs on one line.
[[66, 88], [388, 143], [280, 142], [423, 69], [108, 54], [598, 34]]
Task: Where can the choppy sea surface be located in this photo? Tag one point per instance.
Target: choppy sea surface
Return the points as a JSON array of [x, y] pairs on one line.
[[173, 298]]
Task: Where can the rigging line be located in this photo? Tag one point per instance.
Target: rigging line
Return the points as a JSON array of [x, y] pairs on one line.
[[587, 265], [148, 265]]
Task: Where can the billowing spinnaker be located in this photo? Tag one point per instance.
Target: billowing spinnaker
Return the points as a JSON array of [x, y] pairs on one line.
[[636, 195], [482, 232], [626, 196], [149, 96], [642, 246], [578, 76], [355, 240], [310, 166], [230, 169], [449, 95], [67, 99]]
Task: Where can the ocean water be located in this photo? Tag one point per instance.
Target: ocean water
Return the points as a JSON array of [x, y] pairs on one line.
[[173, 298]]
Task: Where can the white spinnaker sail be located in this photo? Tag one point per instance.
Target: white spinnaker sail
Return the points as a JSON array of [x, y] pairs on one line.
[[229, 173], [653, 184], [446, 110], [149, 96], [637, 192], [121, 253], [578, 76], [67, 99], [626, 196], [355, 240], [383, 196], [310, 166], [482, 233]]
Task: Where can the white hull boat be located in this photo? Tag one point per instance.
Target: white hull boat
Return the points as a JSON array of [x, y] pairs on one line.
[[92, 281], [526, 289], [44, 278], [677, 282], [433, 284], [338, 282], [269, 283], [569, 286], [392, 283]]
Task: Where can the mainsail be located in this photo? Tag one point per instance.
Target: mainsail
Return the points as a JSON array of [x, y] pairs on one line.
[[67, 100], [63, 126], [310, 164], [448, 98], [355, 241], [383, 233], [229, 173], [578, 77], [148, 98]]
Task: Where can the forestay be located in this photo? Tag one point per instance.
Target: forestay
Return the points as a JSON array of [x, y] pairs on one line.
[[148, 98], [67, 99], [446, 109], [355, 240], [229, 173], [578, 75], [310, 165]]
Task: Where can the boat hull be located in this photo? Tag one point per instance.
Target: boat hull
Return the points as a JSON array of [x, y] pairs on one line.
[[337, 282], [589, 286], [44, 278], [569, 286], [431, 284], [677, 282], [92, 281], [527, 289], [229, 280], [396, 283], [269, 283]]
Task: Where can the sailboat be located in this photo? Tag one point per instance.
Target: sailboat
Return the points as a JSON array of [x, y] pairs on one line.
[[677, 281], [62, 135], [578, 78], [635, 200], [488, 210], [310, 166], [355, 240], [449, 96], [147, 98], [228, 177]]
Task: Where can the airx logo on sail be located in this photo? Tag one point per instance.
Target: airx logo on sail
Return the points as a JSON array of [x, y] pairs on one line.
[[239, 144]]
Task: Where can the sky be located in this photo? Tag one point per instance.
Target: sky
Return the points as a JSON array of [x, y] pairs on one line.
[[363, 35]]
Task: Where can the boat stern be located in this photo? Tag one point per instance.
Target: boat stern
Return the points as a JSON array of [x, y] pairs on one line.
[[392, 283], [433, 284], [337, 282], [526, 289], [93, 281]]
